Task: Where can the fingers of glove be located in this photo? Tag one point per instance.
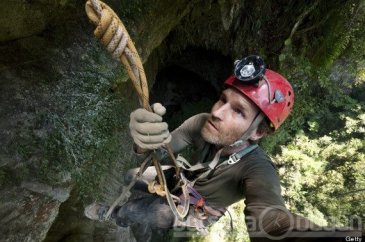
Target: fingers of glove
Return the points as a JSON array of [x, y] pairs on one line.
[[158, 109], [153, 139], [151, 142], [142, 115], [147, 146], [150, 128]]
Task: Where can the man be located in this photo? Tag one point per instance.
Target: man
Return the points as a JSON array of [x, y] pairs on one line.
[[227, 165]]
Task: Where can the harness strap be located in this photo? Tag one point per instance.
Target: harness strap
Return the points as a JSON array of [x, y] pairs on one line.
[[198, 201], [234, 158], [182, 162]]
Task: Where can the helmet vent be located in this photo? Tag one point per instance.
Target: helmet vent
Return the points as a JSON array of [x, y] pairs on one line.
[[289, 93], [289, 104]]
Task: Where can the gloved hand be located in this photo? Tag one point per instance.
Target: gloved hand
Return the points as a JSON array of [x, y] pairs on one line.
[[147, 129]]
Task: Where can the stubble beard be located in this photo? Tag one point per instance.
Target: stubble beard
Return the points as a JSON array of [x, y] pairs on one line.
[[210, 138], [216, 139]]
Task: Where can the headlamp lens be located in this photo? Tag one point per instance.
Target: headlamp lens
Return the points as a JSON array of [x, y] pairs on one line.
[[247, 70], [250, 69]]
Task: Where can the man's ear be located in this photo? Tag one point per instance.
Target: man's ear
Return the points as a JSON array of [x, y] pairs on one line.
[[255, 135]]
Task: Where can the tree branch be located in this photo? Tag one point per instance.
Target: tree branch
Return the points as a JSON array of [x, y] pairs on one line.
[[354, 191], [301, 17]]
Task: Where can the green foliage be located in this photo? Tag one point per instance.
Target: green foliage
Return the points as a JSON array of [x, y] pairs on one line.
[[322, 168], [327, 173]]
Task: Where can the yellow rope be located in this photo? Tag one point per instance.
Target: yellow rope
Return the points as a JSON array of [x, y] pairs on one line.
[[114, 36]]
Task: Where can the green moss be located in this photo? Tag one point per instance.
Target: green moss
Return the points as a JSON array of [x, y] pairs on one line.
[[328, 31], [6, 178], [77, 138]]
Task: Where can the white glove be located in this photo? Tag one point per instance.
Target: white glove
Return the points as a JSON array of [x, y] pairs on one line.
[[147, 129]]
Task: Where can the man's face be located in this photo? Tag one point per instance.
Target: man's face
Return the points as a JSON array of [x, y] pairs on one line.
[[230, 117]]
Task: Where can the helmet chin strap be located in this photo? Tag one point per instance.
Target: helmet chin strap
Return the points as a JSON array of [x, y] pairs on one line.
[[255, 123]]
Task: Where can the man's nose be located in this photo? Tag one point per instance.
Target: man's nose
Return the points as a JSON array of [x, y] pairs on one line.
[[220, 112]]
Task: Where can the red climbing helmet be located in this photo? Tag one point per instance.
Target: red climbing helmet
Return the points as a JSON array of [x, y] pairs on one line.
[[269, 90]]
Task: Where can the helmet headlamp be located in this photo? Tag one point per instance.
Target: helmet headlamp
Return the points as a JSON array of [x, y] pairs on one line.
[[250, 69]]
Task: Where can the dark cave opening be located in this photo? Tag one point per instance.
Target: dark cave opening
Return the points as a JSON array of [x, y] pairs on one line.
[[190, 83]]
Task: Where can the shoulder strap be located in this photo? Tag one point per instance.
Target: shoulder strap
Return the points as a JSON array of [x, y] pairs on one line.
[[182, 162], [234, 158]]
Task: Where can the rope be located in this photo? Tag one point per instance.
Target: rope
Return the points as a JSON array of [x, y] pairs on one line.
[[114, 36], [125, 192]]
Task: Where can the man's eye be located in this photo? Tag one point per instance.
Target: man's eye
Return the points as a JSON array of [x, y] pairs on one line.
[[238, 111]]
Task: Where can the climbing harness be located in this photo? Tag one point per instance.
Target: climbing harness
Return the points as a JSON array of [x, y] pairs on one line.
[[113, 35], [202, 210]]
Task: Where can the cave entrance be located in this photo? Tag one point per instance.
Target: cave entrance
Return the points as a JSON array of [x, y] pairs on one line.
[[190, 83]]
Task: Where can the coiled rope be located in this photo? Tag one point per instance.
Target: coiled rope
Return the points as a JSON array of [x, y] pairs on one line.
[[114, 36]]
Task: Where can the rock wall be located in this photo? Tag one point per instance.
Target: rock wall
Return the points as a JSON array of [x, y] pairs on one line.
[[64, 111]]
